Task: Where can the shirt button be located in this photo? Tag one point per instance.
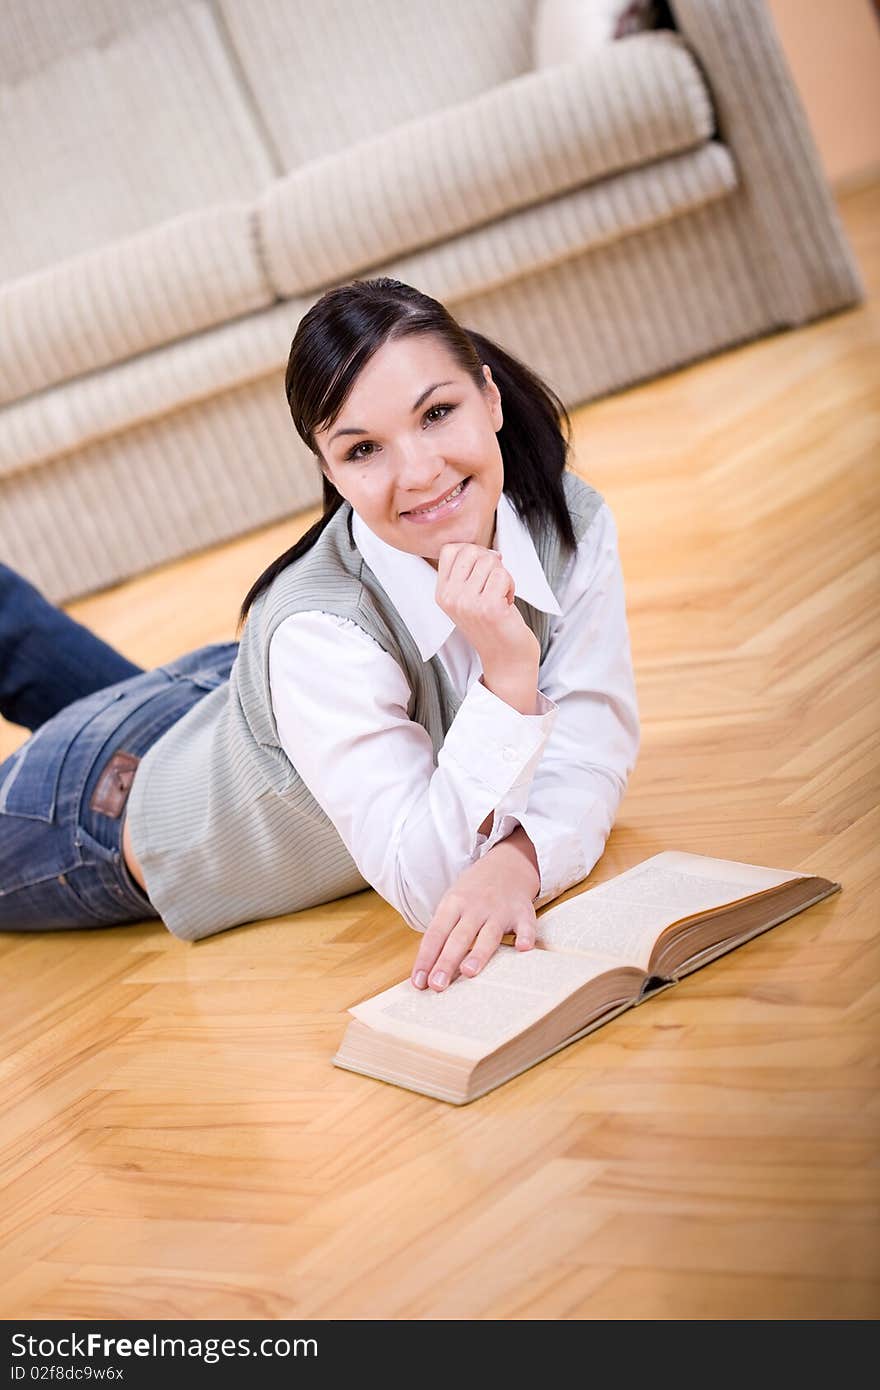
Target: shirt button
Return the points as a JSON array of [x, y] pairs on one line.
[[508, 753]]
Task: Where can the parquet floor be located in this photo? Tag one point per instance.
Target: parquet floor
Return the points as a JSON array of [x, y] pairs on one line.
[[176, 1141]]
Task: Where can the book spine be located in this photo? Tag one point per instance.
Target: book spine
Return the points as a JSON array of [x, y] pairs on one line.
[[655, 984]]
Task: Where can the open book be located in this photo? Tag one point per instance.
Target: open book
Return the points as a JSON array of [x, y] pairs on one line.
[[596, 954]]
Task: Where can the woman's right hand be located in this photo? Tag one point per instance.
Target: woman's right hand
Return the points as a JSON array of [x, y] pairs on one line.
[[477, 593], [490, 898]]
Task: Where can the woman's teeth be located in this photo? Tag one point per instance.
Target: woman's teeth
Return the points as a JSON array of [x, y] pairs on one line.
[[419, 511]]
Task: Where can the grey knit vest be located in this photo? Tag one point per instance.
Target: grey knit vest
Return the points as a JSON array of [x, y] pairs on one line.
[[225, 829]]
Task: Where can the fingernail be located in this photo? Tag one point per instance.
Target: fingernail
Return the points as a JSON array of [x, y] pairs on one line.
[[470, 965], [439, 978], [420, 979]]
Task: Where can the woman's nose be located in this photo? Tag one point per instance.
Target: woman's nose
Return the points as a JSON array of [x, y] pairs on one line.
[[417, 466]]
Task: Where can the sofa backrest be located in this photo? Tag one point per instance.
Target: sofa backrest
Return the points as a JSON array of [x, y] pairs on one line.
[[325, 75], [141, 119], [121, 114], [36, 33]]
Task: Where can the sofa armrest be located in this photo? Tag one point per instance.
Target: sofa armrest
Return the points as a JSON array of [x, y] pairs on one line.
[[800, 249]]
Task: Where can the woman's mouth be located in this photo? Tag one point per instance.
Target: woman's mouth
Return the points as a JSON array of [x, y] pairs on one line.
[[450, 504]]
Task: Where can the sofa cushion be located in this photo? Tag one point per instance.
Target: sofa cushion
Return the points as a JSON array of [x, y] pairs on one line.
[[527, 140], [127, 131], [103, 306], [327, 73], [202, 367]]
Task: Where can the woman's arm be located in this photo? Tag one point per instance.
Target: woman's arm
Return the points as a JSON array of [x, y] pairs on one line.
[[551, 842], [580, 781], [519, 689], [340, 704]]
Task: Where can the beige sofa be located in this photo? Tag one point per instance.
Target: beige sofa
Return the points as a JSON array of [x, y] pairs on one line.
[[183, 178]]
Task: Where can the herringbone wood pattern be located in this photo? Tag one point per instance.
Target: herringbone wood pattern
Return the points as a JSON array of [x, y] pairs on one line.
[[177, 1141]]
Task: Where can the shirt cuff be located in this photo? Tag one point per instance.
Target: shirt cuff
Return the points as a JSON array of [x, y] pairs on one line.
[[494, 743], [560, 854], [504, 821]]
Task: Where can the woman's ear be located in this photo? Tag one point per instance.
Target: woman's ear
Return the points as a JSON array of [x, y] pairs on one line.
[[494, 398], [327, 474]]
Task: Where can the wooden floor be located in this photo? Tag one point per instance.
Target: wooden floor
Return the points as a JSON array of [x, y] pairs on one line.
[[177, 1141]]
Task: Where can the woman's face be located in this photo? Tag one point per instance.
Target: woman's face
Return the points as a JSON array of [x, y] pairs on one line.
[[398, 445]]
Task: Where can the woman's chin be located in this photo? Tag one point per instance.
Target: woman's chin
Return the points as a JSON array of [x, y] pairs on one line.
[[455, 535]]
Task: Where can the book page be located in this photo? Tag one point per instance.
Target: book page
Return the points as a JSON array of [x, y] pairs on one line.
[[474, 1015], [622, 918]]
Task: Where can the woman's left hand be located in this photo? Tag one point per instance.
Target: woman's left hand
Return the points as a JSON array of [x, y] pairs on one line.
[[485, 902]]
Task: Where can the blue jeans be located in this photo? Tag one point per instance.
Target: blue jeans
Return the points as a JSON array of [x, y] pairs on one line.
[[63, 791]]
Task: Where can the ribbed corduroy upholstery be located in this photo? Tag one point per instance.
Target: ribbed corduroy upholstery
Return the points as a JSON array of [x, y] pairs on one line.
[[137, 126], [486, 258], [224, 827], [197, 270], [787, 210], [36, 33], [540, 135], [207, 267], [365, 66]]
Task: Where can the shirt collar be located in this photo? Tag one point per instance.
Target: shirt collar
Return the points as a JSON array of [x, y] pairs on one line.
[[410, 582]]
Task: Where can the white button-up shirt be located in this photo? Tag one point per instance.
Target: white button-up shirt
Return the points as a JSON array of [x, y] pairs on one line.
[[340, 705]]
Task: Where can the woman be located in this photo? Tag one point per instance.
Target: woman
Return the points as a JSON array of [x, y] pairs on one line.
[[432, 695]]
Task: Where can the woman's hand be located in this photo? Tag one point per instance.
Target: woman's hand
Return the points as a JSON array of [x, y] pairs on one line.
[[477, 593], [486, 901]]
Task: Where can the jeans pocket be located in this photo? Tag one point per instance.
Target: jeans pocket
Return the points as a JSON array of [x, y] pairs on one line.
[[9, 770], [30, 784], [30, 777]]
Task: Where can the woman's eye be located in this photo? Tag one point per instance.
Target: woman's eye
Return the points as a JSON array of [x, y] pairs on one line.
[[353, 456]]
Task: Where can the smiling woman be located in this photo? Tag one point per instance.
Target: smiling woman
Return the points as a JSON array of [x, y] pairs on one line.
[[432, 696]]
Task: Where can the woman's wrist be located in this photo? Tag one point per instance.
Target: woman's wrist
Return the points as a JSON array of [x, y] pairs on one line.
[[519, 857], [516, 687]]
